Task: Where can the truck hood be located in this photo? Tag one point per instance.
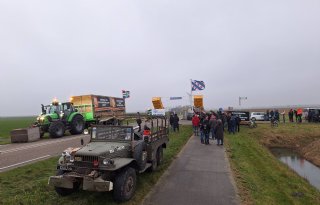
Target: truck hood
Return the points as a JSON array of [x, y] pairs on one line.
[[107, 149]]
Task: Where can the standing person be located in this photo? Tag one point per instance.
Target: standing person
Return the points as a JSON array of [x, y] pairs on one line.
[[206, 131], [171, 119], [238, 121], [295, 114], [299, 114], [271, 114], [267, 117], [175, 122], [195, 124], [290, 115], [139, 121], [219, 132], [232, 124], [213, 123], [277, 115], [284, 116]]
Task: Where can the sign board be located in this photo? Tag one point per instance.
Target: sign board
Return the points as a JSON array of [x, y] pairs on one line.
[[175, 98], [158, 112], [157, 103], [198, 101]]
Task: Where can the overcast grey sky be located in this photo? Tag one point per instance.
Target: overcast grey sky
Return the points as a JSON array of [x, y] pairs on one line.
[[268, 51]]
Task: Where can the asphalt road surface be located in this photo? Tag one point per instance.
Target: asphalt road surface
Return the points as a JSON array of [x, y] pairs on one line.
[[20, 154]]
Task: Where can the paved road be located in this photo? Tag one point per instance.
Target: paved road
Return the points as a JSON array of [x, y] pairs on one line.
[[199, 176], [19, 154]]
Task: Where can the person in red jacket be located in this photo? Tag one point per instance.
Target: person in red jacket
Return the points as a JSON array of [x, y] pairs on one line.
[[195, 124]]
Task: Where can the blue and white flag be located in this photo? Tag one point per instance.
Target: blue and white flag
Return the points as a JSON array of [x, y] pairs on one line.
[[197, 85]]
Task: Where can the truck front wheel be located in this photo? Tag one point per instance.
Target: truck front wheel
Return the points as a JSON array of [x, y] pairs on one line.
[[77, 125], [125, 185], [56, 129], [65, 191]]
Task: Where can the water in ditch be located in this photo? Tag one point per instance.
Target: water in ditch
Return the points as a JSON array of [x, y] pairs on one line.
[[300, 165]]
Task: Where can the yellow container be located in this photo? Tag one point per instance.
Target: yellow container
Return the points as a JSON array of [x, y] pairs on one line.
[[198, 101], [157, 103]]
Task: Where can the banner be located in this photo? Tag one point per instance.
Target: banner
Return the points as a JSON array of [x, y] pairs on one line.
[[158, 112]]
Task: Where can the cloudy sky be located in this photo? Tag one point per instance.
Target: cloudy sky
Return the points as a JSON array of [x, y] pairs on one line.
[[268, 51]]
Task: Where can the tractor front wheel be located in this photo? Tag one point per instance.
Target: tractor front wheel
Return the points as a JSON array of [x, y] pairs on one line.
[[56, 129]]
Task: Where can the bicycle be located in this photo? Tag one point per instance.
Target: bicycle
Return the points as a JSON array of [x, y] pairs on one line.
[[253, 124]]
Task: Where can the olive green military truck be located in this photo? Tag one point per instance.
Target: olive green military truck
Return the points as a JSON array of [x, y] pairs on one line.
[[112, 158]]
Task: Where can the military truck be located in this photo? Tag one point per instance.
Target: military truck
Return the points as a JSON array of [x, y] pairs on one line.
[[79, 113], [112, 158]]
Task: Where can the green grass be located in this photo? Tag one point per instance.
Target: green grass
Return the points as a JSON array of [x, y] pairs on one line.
[[260, 177], [28, 184], [9, 123]]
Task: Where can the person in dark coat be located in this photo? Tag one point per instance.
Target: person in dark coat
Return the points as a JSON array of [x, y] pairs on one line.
[[290, 115], [219, 132], [205, 127], [171, 120], [175, 122], [238, 121], [139, 121], [232, 124]]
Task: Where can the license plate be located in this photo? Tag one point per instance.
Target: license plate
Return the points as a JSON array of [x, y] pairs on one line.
[[61, 167]]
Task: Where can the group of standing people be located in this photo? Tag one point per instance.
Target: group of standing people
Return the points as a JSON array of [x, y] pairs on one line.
[[275, 115], [174, 122], [213, 123]]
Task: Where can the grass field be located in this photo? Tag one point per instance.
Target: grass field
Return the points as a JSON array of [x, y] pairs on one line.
[[260, 177], [9, 123], [28, 184]]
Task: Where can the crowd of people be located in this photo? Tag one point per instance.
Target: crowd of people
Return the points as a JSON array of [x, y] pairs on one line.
[[275, 115], [214, 124]]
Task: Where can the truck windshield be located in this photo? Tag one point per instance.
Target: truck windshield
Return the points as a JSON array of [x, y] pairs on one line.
[[112, 133]]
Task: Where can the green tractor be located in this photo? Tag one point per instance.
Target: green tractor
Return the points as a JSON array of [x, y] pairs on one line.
[[57, 118]]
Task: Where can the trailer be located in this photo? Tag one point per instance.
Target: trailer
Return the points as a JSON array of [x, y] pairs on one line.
[[97, 109]]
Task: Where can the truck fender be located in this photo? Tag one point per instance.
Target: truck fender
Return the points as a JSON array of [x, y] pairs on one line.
[[123, 162]]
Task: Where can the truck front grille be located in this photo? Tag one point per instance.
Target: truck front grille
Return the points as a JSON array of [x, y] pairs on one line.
[[86, 158]]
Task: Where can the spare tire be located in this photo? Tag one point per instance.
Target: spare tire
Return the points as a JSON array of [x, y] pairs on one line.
[[56, 129], [77, 125], [140, 155]]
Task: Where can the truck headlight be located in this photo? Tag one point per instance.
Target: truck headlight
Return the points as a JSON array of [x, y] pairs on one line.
[[61, 160], [107, 161]]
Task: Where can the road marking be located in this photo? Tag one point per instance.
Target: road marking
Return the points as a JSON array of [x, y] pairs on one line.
[[13, 165], [39, 145]]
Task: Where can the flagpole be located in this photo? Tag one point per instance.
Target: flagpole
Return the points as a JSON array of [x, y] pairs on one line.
[[191, 95]]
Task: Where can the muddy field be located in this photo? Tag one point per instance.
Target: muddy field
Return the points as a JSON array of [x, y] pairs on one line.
[[302, 138]]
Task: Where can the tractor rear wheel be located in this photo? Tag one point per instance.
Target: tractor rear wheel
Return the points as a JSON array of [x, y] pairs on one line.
[[56, 129], [77, 125]]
